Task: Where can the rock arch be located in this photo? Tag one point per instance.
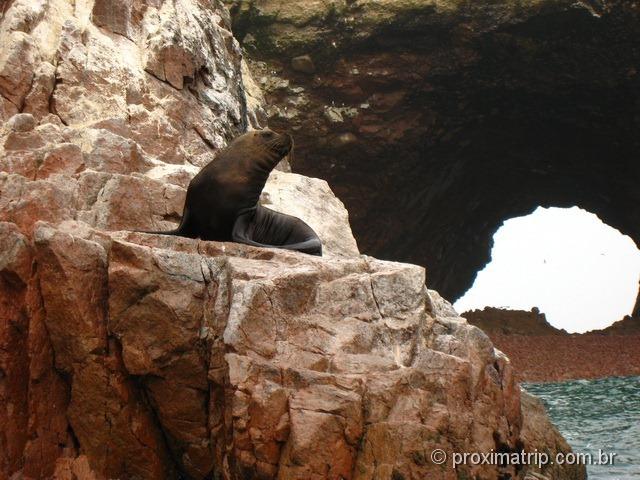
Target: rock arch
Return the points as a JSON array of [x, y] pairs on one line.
[[437, 124]]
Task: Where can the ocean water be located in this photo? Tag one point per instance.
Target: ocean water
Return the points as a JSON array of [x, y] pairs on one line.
[[598, 415]]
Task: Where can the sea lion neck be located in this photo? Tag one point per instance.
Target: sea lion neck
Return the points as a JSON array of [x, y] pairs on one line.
[[265, 161]]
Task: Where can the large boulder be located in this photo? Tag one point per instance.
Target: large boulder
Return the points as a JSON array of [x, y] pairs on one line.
[[202, 358]]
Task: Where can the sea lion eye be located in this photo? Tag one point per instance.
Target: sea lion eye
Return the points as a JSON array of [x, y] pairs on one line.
[[267, 134]]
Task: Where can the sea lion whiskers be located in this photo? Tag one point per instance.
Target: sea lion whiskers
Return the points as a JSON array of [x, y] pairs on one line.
[[281, 143]]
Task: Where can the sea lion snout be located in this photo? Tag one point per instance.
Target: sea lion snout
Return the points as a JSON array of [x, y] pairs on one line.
[[287, 143], [280, 143]]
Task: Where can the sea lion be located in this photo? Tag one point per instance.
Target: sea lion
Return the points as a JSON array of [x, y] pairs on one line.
[[222, 199]]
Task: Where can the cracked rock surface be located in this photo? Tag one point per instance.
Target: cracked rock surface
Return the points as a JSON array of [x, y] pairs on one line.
[[133, 356]]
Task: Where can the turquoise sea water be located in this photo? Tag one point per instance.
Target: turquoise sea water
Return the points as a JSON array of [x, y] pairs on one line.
[[598, 415]]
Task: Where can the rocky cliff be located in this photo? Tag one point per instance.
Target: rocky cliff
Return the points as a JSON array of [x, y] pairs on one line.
[[541, 353], [134, 356], [512, 322], [629, 325], [534, 323]]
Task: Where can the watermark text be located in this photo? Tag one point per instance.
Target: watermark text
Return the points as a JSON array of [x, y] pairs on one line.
[[535, 458]]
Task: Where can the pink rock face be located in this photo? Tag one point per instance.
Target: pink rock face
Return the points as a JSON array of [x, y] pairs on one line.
[[201, 357], [133, 356]]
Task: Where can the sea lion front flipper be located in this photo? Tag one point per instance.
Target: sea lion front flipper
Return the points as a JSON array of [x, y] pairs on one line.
[[185, 229], [262, 227]]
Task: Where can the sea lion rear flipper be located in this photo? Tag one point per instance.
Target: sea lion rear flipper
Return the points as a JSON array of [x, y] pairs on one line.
[[262, 227]]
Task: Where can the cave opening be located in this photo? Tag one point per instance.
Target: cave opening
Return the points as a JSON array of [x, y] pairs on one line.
[[579, 271], [435, 129]]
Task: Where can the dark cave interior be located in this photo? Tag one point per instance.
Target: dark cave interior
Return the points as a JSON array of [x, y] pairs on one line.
[[462, 131]]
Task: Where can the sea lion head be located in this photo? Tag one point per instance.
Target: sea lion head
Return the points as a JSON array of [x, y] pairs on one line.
[[279, 143], [266, 143], [250, 158]]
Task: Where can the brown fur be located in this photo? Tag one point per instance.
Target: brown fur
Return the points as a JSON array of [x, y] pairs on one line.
[[222, 199]]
